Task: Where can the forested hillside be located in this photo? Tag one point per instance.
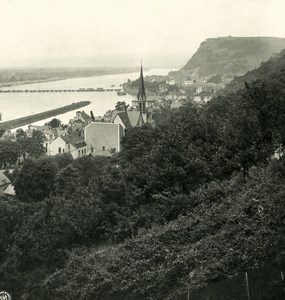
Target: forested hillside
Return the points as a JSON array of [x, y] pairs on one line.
[[271, 71], [199, 194]]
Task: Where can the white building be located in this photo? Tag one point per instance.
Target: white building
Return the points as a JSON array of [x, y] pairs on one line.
[[187, 82], [67, 143], [199, 89], [104, 137], [170, 82], [202, 97]]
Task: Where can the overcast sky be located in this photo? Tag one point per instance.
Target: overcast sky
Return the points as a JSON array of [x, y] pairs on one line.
[[42, 29]]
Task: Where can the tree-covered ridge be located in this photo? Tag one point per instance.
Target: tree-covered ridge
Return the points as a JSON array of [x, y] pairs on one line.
[[198, 193]]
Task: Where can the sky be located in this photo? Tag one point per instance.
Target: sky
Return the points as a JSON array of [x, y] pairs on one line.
[[45, 30]]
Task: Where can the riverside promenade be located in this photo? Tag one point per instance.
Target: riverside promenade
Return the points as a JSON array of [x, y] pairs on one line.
[[8, 125]]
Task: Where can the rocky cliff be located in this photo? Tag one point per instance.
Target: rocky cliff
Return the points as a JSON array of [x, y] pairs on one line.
[[231, 55]]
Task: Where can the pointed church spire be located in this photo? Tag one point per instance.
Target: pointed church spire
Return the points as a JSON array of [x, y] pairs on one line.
[[141, 94]]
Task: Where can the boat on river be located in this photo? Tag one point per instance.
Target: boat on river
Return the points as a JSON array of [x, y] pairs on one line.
[[121, 93]]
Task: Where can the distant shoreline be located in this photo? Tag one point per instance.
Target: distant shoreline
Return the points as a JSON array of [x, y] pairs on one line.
[[80, 73], [10, 84]]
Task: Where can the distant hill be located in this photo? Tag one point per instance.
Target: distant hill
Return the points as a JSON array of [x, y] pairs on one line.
[[231, 55]]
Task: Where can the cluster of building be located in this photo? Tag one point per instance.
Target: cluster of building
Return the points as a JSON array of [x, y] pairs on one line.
[[200, 93], [88, 135], [173, 90], [102, 136], [97, 136], [183, 79]]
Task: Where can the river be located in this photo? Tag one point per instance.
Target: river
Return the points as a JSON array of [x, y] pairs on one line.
[[16, 105]]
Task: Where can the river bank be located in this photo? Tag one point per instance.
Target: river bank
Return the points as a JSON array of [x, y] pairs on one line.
[[17, 105], [134, 92], [59, 74], [8, 125]]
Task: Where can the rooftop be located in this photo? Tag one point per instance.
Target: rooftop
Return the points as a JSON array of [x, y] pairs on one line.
[[74, 140], [4, 179]]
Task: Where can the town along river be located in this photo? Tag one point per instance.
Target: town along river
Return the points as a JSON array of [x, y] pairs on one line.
[[18, 105]]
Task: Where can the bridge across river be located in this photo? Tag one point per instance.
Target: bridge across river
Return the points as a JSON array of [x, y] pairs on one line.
[[81, 90]]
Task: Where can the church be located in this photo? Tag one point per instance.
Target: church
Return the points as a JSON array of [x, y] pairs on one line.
[[142, 103], [140, 113], [104, 138]]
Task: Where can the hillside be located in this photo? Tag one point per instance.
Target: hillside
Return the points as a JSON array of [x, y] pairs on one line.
[[271, 71], [231, 55]]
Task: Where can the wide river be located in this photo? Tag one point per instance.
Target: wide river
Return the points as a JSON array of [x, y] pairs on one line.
[[15, 105]]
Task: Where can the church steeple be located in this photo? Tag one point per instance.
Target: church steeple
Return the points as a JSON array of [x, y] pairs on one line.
[[141, 96]]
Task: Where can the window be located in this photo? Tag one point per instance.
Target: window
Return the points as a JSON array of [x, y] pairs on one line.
[[78, 153], [59, 150], [103, 148]]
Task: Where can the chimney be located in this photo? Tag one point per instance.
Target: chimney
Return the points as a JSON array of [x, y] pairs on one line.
[[92, 116]]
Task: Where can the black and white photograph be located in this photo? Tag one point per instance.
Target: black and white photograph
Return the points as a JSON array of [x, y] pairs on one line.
[[142, 150]]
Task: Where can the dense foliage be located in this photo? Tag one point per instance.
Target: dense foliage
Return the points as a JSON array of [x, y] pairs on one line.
[[54, 123], [200, 193], [150, 86], [231, 228], [271, 71], [12, 149]]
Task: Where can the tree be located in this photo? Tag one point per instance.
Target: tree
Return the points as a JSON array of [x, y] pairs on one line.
[[248, 126], [90, 167], [181, 156], [32, 146], [2, 131], [38, 136], [66, 181], [9, 153], [121, 106], [54, 123], [138, 141], [35, 181], [162, 116], [216, 78], [63, 160], [20, 134]]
